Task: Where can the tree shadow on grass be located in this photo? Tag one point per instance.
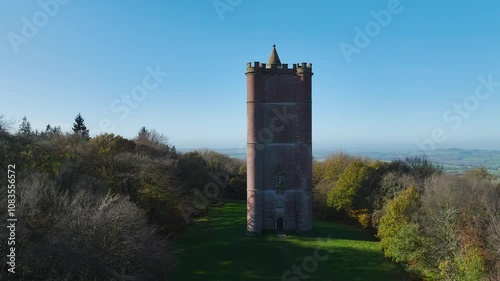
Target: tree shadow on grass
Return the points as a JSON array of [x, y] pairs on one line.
[[264, 260], [220, 250]]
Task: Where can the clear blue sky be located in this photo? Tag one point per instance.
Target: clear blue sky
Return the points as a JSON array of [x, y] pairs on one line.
[[392, 91]]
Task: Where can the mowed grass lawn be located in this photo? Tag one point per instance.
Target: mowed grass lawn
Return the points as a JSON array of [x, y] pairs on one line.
[[216, 248]]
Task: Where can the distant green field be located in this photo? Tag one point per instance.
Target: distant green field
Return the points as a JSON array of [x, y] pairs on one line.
[[454, 160], [216, 248]]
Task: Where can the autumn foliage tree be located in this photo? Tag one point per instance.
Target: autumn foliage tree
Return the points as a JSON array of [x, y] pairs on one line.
[[103, 207], [348, 184], [399, 235], [439, 226]]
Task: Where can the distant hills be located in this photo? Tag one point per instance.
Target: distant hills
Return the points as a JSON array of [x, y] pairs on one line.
[[454, 160]]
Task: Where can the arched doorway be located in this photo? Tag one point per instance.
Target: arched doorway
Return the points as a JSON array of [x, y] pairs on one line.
[[280, 225]]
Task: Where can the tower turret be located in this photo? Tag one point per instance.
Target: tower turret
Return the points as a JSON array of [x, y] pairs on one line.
[[274, 58]]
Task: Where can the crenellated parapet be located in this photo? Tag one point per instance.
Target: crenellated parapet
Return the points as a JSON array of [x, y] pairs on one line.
[[264, 68]]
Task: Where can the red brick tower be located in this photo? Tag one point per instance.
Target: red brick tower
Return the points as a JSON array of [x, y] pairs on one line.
[[279, 154]]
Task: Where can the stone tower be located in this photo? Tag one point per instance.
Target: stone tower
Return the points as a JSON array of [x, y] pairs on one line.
[[279, 154]]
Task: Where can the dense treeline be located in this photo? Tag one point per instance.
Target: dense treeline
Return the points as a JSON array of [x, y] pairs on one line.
[[103, 208], [440, 226]]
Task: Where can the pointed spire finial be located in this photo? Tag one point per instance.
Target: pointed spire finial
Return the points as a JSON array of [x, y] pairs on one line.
[[274, 58]]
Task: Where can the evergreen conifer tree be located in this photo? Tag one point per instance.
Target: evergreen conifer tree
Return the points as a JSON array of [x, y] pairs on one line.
[[79, 127]]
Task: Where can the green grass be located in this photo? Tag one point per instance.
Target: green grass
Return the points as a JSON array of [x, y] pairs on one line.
[[216, 248]]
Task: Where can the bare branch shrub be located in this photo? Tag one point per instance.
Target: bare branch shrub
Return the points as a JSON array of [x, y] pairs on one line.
[[83, 236]]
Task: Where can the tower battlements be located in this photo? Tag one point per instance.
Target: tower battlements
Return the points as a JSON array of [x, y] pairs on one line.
[[275, 68]]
